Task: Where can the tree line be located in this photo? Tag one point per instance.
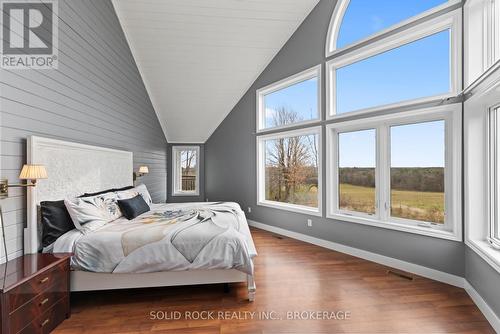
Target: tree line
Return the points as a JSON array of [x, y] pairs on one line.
[[427, 179]]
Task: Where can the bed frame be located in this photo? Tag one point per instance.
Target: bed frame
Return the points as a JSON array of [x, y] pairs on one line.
[[75, 169]]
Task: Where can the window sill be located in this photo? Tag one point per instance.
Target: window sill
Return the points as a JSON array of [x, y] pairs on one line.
[[435, 100], [291, 207], [263, 131], [486, 252], [193, 194], [427, 231]]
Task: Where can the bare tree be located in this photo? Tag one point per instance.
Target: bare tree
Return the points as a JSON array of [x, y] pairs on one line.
[[188, 161], [289, 157]]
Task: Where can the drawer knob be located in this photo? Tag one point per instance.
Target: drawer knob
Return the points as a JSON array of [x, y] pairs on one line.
[[44, 280], [43, 302], [45, 322]]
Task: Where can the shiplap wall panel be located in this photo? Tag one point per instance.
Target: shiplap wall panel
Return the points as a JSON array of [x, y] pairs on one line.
[[95, 97]]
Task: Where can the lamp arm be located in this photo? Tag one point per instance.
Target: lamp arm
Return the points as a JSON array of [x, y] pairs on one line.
[[21, 185]]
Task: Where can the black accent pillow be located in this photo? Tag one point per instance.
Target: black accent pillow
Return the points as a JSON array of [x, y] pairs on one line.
[[105, 191], [133, 207], [55, 221]]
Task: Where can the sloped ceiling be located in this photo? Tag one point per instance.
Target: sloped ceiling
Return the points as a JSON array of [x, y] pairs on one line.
[[198, 57]]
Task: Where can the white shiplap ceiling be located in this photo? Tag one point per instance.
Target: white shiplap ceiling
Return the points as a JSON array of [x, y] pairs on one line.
[[198, 57]]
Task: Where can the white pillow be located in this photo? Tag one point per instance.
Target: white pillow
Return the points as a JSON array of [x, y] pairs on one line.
[[139, 190], [91, 213]]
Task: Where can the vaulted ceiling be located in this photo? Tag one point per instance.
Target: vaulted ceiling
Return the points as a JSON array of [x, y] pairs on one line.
[[198, 57]]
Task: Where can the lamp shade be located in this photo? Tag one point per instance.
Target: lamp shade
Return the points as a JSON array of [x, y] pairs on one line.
[[33, 172], [143, 169]]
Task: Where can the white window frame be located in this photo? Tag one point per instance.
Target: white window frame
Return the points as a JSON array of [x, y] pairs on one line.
[[482, 37], [314, 72], [451, 114], [177, 174], [477, 168], [494, 176], [338, 16], [333, 130], [451, 20], [261, 186]]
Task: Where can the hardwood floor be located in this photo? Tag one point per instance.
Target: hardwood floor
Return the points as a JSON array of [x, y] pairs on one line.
[[290, 276]]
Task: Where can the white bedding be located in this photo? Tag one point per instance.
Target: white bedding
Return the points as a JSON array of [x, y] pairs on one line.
[[170, 237]]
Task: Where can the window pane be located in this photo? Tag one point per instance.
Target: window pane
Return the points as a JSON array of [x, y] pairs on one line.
[[188, 170], [417, 171], [397, 75], [357, 156], [291, 174], [367, 17], [295, 103]]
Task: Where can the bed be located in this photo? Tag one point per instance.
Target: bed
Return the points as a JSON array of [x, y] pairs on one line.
[[172, 244]]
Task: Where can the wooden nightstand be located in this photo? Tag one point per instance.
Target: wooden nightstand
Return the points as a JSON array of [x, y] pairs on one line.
[[35, 298]]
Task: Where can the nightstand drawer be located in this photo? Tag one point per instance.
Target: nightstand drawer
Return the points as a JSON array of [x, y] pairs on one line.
[[56, 276], [49, 320], [36, 307]]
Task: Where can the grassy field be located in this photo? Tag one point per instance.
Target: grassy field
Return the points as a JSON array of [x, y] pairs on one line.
[[303, 195], [418, 205]]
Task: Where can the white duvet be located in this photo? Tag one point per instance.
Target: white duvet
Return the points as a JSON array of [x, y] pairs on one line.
[[170, 237]]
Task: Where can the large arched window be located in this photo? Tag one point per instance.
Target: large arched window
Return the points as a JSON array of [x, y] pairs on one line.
[[397, 164], [417, 63], [354, 21]]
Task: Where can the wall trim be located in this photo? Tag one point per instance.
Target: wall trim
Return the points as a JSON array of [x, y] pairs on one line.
[[416, 269], [489, 314]]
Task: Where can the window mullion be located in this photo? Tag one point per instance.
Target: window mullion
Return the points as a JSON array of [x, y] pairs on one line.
[[383, 184]]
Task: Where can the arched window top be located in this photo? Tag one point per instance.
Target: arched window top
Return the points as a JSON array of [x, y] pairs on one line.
[[356, 20]]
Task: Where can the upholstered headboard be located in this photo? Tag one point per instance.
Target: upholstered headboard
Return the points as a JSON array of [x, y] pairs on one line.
[[73, 169]]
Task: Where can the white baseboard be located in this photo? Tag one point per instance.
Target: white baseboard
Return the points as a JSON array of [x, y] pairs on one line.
[[394, 263], [381, 259], [488, 313]]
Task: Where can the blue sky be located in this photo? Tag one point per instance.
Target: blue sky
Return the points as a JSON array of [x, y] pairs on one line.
[[418, 145], [378, 15], [412, 145], [411, 71], [357, 149], [300, 97]]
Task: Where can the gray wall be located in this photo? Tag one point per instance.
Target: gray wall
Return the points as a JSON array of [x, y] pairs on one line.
[[182, 199], [484, 279], [95, 97], [230, 170]]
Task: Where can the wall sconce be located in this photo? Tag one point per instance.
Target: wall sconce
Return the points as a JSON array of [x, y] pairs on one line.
[[30, 173], [143, 170]]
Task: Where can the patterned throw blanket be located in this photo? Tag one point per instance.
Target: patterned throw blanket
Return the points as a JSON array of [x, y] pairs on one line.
[[169, 237]]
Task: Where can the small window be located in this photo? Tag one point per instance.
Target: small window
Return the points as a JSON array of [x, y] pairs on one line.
[[185, 170], [356, 169], [397, 75], [289, 170], [494, 229], [289, 102], [417, 171]]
